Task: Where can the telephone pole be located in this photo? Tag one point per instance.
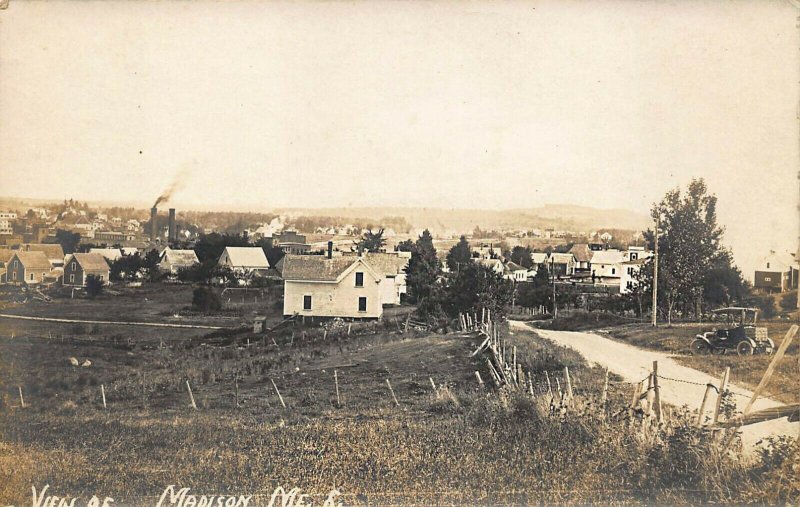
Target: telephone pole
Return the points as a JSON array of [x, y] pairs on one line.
[[553, 272], [655, 274]]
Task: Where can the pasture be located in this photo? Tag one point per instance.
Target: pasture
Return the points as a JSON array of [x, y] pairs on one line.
[[447, 443]]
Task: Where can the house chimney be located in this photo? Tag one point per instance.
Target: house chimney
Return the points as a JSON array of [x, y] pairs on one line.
[[172, 230], [330, 249], [153, 223]]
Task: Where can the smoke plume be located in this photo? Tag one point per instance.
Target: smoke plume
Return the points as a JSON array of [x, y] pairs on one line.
[[177, 182]]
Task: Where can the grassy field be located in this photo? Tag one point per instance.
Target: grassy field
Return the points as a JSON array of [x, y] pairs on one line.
[[460, 443]]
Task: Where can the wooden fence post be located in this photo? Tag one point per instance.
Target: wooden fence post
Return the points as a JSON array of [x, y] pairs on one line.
[[709, 387], [278, 393], [432, 384], [103, 393], [787, 339], [722, 386], [392, 391], [478, 376], [236, 388], [568, 381], [657, 391], [336, 380], [191, 396], [549, 387], [21, 399]]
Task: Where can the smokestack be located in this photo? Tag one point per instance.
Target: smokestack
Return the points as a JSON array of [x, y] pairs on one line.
[[172, 234], [330, 249], [153, 223]]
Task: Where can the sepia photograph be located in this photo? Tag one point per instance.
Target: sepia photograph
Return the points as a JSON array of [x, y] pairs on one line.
[[328, 253]]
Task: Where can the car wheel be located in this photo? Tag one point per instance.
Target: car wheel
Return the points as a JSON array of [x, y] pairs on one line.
[[744, 349], [700, 347]]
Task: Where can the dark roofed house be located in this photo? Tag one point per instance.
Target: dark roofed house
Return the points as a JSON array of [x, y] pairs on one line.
[[79, 266], [27, 267]]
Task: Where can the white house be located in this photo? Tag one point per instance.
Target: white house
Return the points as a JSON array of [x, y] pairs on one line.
[[517, 273], [173, 260], [495, 265], [391, 266], [606, 265], [243, 259], [322, 286], [630, 270]]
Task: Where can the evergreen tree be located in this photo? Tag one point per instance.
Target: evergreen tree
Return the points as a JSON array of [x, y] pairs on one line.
[[423, 268], [460, 254]]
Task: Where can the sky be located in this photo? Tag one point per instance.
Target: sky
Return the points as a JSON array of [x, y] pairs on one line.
[[431, 104]]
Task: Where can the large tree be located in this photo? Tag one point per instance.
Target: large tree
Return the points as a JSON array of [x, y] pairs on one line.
[[475, 286], [372, 241], [68, 240], [522, 256], [460, 254], [692, 262], [423, 268]]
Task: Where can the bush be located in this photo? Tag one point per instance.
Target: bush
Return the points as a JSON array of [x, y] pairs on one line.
[[789, 302], [205, 299], [94, 285]]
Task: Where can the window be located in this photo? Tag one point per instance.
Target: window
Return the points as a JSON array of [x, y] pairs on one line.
[[14, 275], [359, 279], [362, 304], [306, 302], [73, 266], [16, 263], [613, 271], [72, 278], [767, 279], [768, 265], [32, 277]]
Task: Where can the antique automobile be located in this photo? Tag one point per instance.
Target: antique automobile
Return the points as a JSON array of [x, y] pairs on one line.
[[738, 333]]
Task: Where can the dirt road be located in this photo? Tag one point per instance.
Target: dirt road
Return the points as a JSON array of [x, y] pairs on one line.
[[634, 363]]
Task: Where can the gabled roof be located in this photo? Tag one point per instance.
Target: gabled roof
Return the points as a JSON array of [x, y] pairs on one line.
[[561, 258], [247, 256], [89, 261], [318, 268], [386, 263], [186, 257], [52, 251], [111, 254], [34, 260], [538, 258], [513, 266], [608, 257], [581, 252]]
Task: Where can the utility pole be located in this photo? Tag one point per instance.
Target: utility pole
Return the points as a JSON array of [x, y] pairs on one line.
[[655, 273], [553, 273]]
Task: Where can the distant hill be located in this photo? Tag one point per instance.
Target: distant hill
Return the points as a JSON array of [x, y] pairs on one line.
[[561, 217]]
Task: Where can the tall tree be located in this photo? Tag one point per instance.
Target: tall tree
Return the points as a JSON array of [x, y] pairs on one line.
[[68, 240], [460, 254], [689, 247], [423, 268], [522, 256], [372, 241]]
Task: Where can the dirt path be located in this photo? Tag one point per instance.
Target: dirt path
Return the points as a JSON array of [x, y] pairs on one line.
[[633, 364]]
